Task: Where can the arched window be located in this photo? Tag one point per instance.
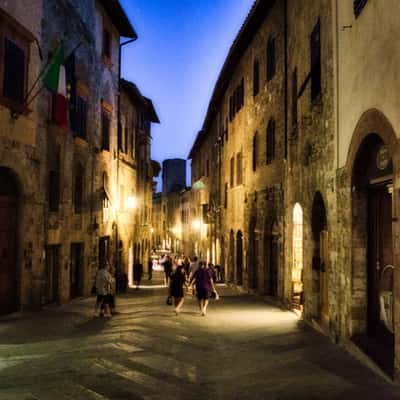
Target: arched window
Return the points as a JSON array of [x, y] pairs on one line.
[[255, 150], [256, 77], [270, 141]]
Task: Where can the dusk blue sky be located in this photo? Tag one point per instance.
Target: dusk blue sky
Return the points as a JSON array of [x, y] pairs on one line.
[[176, 60]]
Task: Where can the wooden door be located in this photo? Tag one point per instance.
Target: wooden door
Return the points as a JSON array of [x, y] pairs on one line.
[[380, 251], [76, 270], [52, 273], [239, 258], [8, 250], [274, 266]]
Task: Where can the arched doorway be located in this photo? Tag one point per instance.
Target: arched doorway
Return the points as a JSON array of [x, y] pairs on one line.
[[9, 195], [239, 258], [297, 252], [372, 183], [320, 261], [231, 256]]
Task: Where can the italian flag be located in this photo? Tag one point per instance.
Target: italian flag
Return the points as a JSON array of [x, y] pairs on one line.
[[54, 79]]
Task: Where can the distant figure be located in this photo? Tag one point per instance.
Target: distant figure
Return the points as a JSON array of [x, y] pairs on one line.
[[137, 273], [150, 268], [204, 284], [103, 282], [186, 265], [167, 270], [213, 272], [177, 282]]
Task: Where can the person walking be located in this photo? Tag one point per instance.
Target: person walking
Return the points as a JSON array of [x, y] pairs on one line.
[[167, 270], [177, 282], [203, 280], [137, 273], [150, 268], [103, 282]]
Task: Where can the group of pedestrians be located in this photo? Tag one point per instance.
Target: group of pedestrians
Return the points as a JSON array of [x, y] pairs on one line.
[[196, 276], [181, 275]]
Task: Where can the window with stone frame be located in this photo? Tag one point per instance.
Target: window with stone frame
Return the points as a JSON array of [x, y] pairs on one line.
[[256, 78], [315, 46], [239, 168], [232, 172], [81, 110], [226, 195], [255, 151], [270, 141], [236, 100], [358, 6], [14, 62], [105, 130], [107, 43], [125, 147], [271, 58]]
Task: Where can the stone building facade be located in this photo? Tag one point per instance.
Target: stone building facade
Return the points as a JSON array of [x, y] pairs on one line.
[[137, 116], [21, 204], [303, 128], [68, 186]]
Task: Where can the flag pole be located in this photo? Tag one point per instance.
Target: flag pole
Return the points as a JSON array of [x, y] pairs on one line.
[[39, 76]]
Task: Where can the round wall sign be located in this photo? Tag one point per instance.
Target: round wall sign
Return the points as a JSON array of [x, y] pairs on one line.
[[383, 157]]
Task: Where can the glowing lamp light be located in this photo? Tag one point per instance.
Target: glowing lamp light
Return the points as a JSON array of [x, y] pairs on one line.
[[196, 224], [131, 202]]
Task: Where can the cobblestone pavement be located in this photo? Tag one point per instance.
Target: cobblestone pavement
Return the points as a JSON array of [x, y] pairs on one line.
[[243, 349]]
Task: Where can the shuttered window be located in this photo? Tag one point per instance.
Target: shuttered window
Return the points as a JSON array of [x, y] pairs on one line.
[[255, 150], [256, 78], [14, 72], [81, 117], [232, 172], [358, 6], [239, 169], [107, 43]]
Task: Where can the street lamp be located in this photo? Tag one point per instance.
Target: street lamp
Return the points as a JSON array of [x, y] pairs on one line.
[[196, 224], [131, 202]]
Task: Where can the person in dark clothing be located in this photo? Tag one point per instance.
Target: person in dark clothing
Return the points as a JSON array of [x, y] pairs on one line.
[[167, 270], [204, 284], [150, 268], [137, 273], [177, 282]]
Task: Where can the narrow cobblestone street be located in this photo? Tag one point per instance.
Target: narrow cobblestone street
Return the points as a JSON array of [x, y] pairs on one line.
[[243, 349]]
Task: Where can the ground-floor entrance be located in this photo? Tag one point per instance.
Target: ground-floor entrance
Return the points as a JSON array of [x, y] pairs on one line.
[[8, 242]]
